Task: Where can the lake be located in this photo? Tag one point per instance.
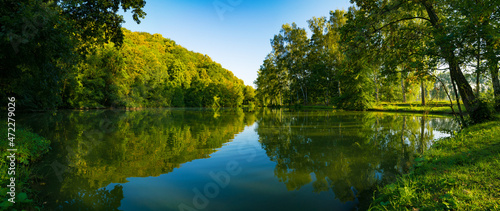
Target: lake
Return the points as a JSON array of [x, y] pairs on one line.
[[204, 159]]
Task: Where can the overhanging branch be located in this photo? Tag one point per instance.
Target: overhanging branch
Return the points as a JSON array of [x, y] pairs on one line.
[[397, 21]]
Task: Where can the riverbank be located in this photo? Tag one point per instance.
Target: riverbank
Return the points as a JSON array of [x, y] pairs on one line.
[[458, 173], [30, 149], [439, 107]]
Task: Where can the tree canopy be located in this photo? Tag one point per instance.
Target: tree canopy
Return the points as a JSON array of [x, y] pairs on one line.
[[152, 71]]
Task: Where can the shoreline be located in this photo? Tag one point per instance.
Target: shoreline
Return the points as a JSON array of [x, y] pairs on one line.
[[458, 173]]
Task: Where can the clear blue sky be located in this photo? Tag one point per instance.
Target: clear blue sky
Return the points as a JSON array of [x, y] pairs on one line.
[[237, 34]]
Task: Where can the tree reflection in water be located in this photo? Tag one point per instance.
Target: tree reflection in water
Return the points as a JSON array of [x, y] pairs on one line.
[[100, 199], [347, 153], [92, 149], [343, 151]]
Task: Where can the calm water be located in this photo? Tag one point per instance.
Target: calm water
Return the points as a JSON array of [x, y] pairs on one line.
[[174, 159]]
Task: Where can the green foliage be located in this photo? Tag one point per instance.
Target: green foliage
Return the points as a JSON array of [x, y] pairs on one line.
[[76, 55], [356, 94], [302, 70], [178, 97], [152, 71], [248, 95], [458, 173], [42, 41], [483, 113], [97, 22], [30, 148], [33, 53]]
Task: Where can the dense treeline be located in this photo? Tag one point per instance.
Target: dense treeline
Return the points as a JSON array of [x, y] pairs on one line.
[[75, 54], [388, 51], [152, 71]]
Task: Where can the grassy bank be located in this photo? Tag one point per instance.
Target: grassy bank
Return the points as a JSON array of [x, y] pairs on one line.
[[439, 107], [433, 107], [458, 173], [30, 148]]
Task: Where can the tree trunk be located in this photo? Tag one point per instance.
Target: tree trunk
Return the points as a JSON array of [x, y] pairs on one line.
[[306, 100], [478, 87], [492, 59], [493, 67], [447, 50], [281, 99], [447, 93], [464, 88], [327, 97], [339, 88], [303, 94], [403, 89], [297, 102], [478, 73], [496, 84], [422, 90], [458, 100]]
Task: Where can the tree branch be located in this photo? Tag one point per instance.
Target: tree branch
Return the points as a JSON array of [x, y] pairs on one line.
[[397, 21]]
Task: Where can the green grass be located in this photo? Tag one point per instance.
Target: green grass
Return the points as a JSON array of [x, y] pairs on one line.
[[439, 107], [458, 173], [317, 107], [419, 103], [30, 149], [306, 107], [436, 107]]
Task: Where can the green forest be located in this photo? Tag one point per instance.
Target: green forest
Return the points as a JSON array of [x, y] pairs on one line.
[[388, 51], [73, 54], [61, 58]]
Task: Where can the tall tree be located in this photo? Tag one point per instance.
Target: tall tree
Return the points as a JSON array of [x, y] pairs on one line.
[[41, 41], [444, 43]]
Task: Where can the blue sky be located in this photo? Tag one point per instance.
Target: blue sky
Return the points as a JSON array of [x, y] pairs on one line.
[[234, 33]]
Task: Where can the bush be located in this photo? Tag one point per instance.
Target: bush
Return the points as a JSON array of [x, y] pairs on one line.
[[30, 148], [483, 112]]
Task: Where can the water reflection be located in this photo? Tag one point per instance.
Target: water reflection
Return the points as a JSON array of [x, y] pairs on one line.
[[100, 199], [344, 152], [92, 149], [153, 159]]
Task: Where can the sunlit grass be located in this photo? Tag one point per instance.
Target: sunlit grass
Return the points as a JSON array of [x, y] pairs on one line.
[[458, 173], [431, 107]]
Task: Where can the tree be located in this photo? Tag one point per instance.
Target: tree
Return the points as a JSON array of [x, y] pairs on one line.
[[439, 26], [42, 40], [301, 69], [98, 21]]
